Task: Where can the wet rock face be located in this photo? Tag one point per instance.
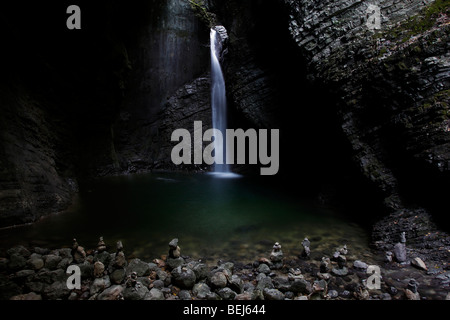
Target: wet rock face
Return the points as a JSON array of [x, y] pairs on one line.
[[392, 82]]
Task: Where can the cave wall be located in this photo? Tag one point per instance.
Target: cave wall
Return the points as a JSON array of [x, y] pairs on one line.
[[79, 104], [172, 51]]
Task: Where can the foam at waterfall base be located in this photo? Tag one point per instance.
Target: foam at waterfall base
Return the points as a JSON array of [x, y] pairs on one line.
[[225, 175]]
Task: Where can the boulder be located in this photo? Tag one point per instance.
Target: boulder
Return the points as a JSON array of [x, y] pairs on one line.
[[111, 293]]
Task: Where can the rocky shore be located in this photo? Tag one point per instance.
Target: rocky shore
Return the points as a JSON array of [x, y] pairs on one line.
[[106, 274]]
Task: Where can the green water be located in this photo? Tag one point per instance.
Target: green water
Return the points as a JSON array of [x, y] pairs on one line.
[[212, 217]]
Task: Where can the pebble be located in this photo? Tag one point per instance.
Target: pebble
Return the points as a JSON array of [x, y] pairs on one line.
[[264, 268], [418, 263], [218, 280], [360, 265]]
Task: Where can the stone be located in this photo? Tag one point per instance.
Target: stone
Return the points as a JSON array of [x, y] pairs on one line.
[[218, 280], [342, 261], [400, 252], [135, 293], [345, 294], [340, 272], [111, 293], [343, 250], [360, 265], [119, 260], [201, 290], [19, 250], [413, 285], [99, 269], [403, 237], [64, 263], [282, 283], [323, 276], [385, 296], [388, 257], [52, 261], [260, 276], [411, 295], [183, 277], [226, 293], [236, 283], [78, 253], [27, 296], [264, 283], [87, 270], [119, 246], [65, 253], [174, 249], [320, 286], [418, 263], [276, 256], [325, 265], [245, 296], [41, 251], [21, 274], [174, 263], [306, 248], [273, 294], [4, 264], [155, 294], [140, 267], [264, 268], [99, 284], [56, 290], [200, 270], [35, 263], [158, 284], [164, 276], [16, 262], [333, 294], [101, 246], [117, 276], [103, 256]]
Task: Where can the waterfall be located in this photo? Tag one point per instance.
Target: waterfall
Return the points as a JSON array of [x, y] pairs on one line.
[[218, 102]]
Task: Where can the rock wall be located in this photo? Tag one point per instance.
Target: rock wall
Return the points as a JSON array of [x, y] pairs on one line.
[[392, 83], [172, 51]]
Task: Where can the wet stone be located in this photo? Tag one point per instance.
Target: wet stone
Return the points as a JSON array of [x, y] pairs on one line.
[[111, 293], [183, 277], [360, 265], [140, 267], [226, 293], [400, 252], [117, 276], [264, 268], [174, 263], [16, 262], [218, 280], [201, 290], [99, 285], [156, 294], [135, 293], [273, 294]]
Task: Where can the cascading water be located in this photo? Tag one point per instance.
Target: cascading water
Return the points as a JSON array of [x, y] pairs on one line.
[[218, 103]]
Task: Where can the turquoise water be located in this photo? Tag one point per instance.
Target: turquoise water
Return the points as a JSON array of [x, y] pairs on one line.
[[213, 218]]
